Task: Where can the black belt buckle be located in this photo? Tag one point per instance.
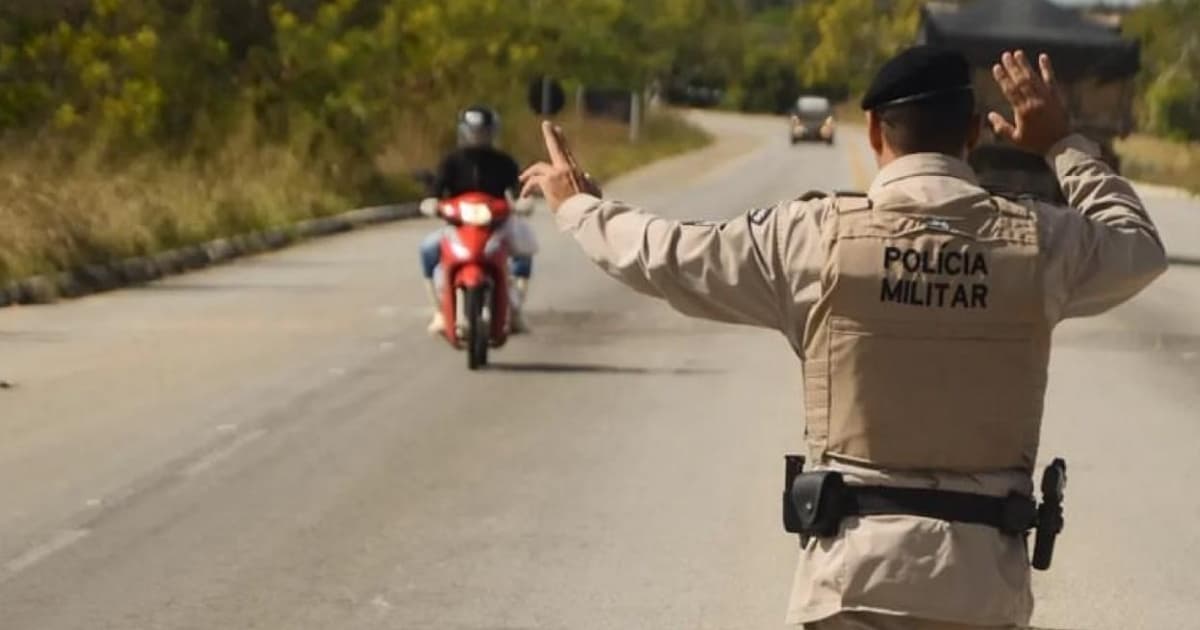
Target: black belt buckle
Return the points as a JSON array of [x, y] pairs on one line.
[[1018, 514]]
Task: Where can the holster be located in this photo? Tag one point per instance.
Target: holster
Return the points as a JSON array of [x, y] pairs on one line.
[[813, 502], [793, 467], [1050, 513], [819, 498]]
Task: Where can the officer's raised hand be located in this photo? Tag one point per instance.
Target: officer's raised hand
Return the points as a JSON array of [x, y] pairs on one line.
[[562, 178], [1040, 115]]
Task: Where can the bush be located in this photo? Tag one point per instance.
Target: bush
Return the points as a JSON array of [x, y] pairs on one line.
[[1172, 106], [1169, 31]]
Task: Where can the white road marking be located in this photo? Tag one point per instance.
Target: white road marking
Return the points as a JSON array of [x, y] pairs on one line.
[[337, 371], [93, 503], [222, 454], [387, 311], [61, 541], [387, 345], [226, 428]]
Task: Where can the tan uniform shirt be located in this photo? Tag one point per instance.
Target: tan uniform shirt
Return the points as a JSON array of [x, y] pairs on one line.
[[763, 269]]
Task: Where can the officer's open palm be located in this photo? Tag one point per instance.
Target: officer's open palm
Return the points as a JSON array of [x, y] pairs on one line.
[[1040, 116], [561, 178]]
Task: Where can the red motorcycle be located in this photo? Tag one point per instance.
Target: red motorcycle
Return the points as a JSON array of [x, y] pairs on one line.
[[474, 268]]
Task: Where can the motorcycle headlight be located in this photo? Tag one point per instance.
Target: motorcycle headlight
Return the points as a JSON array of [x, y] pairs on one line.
[[474, 213]]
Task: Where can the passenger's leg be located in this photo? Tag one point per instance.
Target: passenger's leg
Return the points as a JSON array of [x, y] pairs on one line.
[[522, 269], [431, 254]]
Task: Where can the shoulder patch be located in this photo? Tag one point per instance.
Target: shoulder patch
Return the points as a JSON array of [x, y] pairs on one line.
[[939, 224], [843, 200], [1020, 207], [853, 202], [1016, 197], [759, 216]]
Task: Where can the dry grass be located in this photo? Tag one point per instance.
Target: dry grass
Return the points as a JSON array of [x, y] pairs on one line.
[[1161, 161], [54, 217], [602, 145], [606, 150]]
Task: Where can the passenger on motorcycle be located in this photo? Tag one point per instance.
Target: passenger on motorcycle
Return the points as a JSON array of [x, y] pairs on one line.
[[478, 166]]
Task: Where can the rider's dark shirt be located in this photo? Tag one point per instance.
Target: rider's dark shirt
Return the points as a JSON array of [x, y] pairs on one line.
[[476, 169]]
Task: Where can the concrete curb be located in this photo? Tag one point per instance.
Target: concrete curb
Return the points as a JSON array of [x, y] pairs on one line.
[[97, 278]]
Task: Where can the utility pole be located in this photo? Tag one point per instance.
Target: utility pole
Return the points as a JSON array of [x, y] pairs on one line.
[[635, 115]]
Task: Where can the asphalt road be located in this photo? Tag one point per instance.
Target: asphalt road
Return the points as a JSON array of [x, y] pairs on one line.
[[276, 443]]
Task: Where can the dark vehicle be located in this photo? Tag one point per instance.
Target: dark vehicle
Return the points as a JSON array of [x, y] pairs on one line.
[[811, 119], [1095, 68]]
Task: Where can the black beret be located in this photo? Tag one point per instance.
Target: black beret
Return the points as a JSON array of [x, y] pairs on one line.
[[917, 74]]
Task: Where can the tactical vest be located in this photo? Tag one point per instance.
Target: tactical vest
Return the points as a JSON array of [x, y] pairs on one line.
[[928, 348]]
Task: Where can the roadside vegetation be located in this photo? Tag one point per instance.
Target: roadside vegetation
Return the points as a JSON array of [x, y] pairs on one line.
[[130, 126], [1161, 161], [127, 126], [61, 213], [1168, 151]]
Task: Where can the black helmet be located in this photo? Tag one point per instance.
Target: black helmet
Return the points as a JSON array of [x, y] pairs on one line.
[[478, 125]]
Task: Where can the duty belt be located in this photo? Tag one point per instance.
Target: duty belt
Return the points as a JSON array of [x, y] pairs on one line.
[[1013, 514], [815, 503]]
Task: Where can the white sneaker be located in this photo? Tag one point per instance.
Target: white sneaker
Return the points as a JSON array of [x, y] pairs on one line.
[[437, 325]]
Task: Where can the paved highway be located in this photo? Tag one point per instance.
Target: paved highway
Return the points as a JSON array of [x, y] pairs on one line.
[[276, 443]]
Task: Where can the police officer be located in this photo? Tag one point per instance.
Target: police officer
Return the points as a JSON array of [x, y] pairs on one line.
[[922, 312]]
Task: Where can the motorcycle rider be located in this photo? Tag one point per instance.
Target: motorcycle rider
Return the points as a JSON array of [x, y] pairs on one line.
[[478, 166]]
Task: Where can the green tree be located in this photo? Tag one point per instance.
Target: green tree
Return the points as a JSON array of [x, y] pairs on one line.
[[846, 40], [1169, 31]]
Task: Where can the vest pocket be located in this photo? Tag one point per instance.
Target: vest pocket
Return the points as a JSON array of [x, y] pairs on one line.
[[816, 404], [947, 396]]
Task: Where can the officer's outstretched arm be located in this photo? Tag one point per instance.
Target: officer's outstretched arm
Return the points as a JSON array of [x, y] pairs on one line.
[[732, 271], [729, 271], [1105, 246], [1115, 250]]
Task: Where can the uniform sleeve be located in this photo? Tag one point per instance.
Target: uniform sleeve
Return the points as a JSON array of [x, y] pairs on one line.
[[729, 272], [1113, 247]]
